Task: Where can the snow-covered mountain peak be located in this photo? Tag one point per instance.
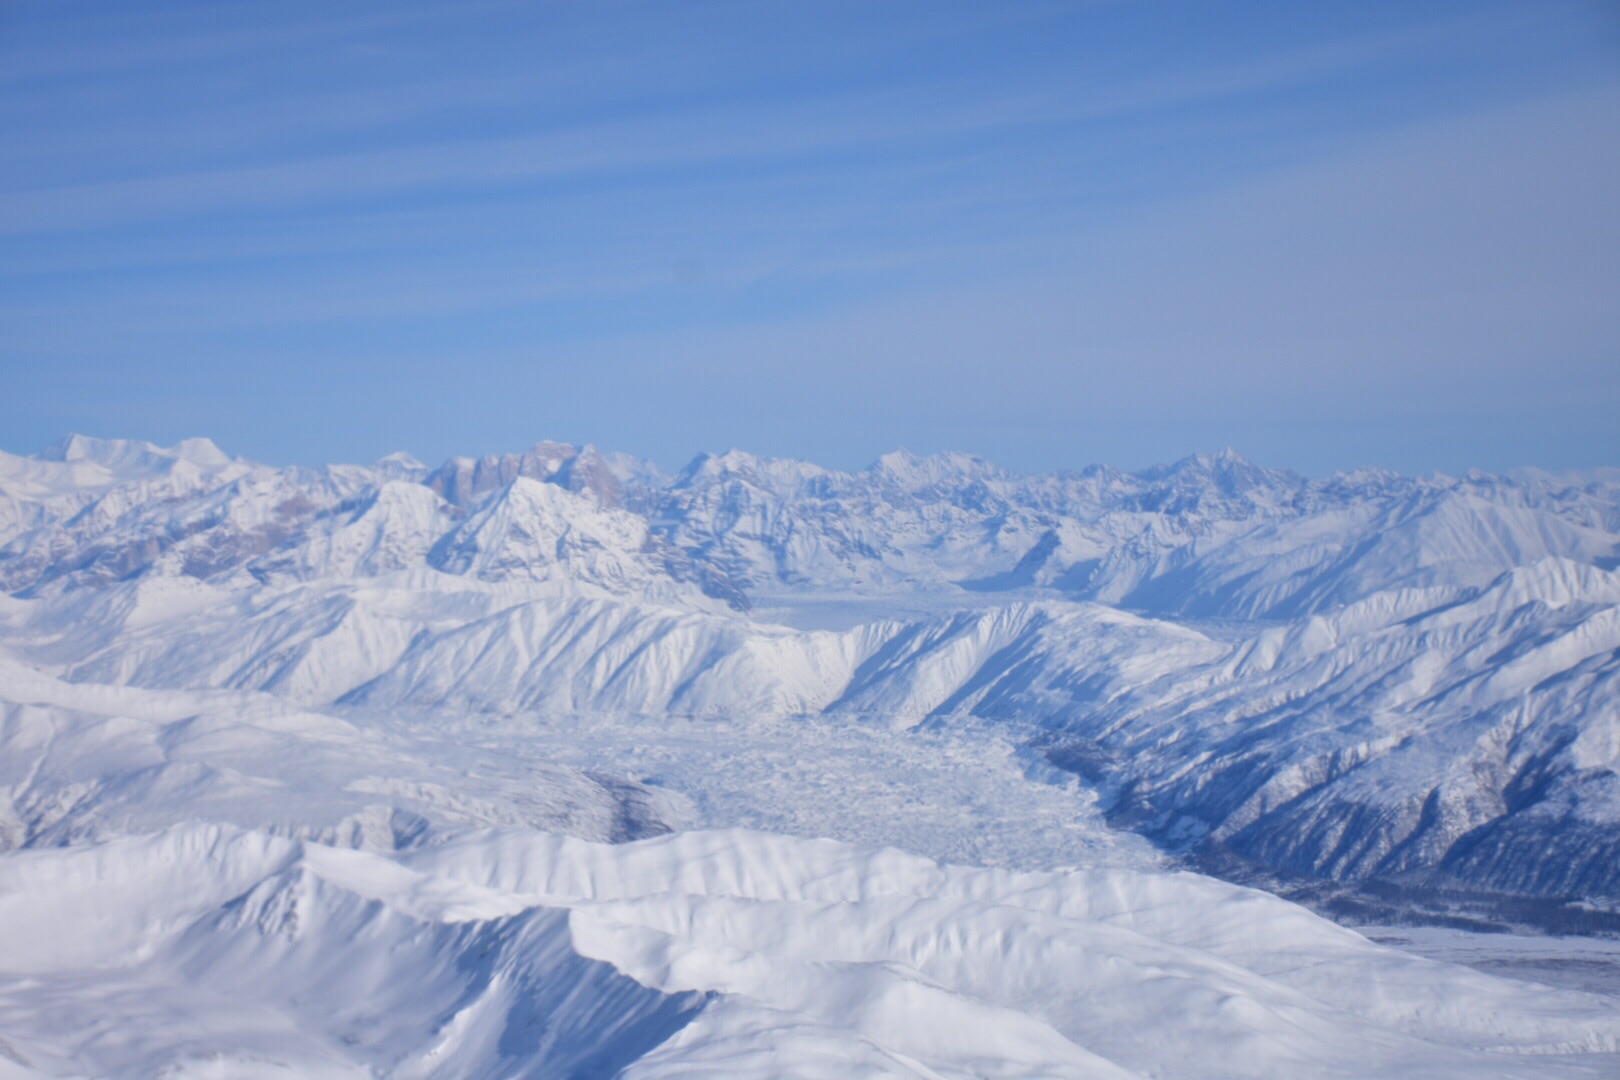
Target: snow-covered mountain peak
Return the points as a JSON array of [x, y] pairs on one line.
[[391, 529], [201, 451], [132, 457], [107, 452], [590, 472], [1361, 483], [1225, 459], [538, 533], [779, 476], [400, 465], [914, 472], [464, 481], [1226, 473]]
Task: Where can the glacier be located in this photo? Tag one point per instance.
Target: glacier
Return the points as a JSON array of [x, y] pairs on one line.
[[293, 708]]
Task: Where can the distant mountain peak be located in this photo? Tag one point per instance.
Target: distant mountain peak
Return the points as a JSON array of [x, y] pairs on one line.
[[926, 469], [463, 481], [402, 459], [127, 453], [75, 448], [1223, 460], [776, 473]]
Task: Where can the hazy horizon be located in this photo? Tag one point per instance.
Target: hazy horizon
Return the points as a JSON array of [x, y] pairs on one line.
[[674, 466]]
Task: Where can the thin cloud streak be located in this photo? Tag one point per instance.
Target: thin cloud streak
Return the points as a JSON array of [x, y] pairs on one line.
[[122, 50], [890, 120]]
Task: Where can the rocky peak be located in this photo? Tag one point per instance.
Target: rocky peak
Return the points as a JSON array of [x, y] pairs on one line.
[[462, 481]]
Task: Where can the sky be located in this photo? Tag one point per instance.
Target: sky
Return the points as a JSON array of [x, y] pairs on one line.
[[1049, 233]]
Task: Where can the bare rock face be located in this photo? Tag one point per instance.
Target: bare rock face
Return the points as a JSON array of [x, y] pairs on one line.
[[465, 481]]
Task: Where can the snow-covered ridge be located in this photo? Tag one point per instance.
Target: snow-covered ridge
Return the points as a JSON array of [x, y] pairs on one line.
[[730, 953]]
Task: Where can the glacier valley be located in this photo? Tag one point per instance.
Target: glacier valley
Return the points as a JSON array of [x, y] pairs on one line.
[[551, 764]]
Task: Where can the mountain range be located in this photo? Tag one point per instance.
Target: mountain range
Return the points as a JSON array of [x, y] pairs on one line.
[[1364, 678], [1388, 696]]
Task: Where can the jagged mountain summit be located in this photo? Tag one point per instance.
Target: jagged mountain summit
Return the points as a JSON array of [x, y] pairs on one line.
[[1212, 535]]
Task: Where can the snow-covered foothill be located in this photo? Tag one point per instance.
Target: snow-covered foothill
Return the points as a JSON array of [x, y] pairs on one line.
[[208, 951]]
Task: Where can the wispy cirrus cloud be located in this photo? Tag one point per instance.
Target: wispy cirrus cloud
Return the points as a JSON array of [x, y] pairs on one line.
[[980, 224], [933, 116]]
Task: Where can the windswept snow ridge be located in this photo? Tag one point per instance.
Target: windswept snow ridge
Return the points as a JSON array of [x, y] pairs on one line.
[[729, 953]]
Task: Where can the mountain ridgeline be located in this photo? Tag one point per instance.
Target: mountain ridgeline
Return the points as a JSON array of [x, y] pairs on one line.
[[1404, 686]]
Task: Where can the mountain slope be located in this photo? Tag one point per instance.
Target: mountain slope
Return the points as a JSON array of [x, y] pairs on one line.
[[521, 954]]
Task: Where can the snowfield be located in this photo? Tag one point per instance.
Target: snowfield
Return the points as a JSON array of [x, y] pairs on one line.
[[517, 767]]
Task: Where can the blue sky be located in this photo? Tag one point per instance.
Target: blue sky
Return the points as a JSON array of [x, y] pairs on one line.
[[1051, 233]]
